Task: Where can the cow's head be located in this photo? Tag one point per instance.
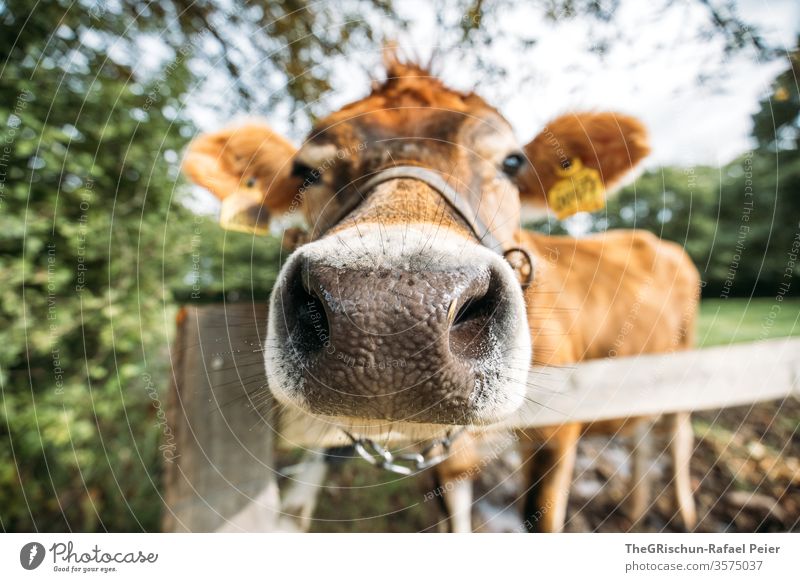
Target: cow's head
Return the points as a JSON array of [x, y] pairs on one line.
[[394, 311]]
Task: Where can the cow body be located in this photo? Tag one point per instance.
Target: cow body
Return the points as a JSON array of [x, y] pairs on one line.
[[623, 293]]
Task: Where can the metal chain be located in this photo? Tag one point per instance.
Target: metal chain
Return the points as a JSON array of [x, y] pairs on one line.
[[403, 463]]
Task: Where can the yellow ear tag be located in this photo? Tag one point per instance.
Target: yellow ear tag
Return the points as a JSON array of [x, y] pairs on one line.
[[243, 211], [579, 190]]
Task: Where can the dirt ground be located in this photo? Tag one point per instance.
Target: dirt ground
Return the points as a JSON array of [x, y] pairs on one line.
[[745, 473]]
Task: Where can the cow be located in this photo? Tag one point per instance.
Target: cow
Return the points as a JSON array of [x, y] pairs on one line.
[[415, 303]]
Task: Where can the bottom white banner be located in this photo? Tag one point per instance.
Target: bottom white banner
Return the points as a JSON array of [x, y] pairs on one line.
[[388, 557]]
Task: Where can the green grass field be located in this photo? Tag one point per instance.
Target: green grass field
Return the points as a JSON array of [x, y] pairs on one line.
[[725, 321]]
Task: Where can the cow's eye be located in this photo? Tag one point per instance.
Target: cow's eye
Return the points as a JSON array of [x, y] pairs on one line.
[[512, 164], [306, 173]]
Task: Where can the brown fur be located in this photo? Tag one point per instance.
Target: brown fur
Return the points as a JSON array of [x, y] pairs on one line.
[[609, 143], [227, 161], [622, 293]]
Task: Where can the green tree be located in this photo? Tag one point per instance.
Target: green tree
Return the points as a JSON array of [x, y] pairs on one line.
[[775, 235], [675, 203], [86, 216]]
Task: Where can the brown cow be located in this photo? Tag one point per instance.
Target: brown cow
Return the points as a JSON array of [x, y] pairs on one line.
[[399, 314]]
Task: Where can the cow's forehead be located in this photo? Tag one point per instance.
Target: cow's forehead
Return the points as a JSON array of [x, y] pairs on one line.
[[412, 106]]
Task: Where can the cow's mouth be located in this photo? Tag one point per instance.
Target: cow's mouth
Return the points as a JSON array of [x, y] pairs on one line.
[[407, 323]]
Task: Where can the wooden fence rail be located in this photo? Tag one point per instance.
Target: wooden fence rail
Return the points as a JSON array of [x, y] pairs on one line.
[[225, 429]]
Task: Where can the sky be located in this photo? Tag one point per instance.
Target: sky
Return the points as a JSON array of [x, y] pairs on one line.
[[650, 71]]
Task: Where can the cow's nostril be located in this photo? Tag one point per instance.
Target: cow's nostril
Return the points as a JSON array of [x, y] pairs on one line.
[[475, 321], [311, 331], [475, 308]]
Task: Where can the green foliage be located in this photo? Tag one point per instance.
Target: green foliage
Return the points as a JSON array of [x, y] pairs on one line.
[[87, 217], [227, 266]]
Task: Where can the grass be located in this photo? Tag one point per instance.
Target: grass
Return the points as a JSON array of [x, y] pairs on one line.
[[726, 321]]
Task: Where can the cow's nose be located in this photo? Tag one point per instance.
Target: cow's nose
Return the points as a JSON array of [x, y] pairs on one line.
[[368, 313], [424, 338]]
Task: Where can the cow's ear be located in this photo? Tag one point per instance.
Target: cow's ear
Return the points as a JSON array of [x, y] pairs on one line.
[[577, 158], [249, 169]]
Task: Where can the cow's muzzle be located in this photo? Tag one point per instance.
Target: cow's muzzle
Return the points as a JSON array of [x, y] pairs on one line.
[[401, 323]]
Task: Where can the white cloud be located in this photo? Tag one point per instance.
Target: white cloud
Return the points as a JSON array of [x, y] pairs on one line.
[[650, 71]]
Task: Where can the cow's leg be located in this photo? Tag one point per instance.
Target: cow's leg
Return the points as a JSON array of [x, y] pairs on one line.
[[681, 447], [268, 512], [300, 499], [548, 467], [263, 514], [457, 496], [454, 479], [640, 491]]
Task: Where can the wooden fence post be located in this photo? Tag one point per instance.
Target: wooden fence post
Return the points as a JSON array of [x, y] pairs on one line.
[[221, 416]]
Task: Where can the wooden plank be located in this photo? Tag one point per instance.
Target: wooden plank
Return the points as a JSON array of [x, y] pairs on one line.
[[218, 361], [696, 380], [221, 475], [636, 386]]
